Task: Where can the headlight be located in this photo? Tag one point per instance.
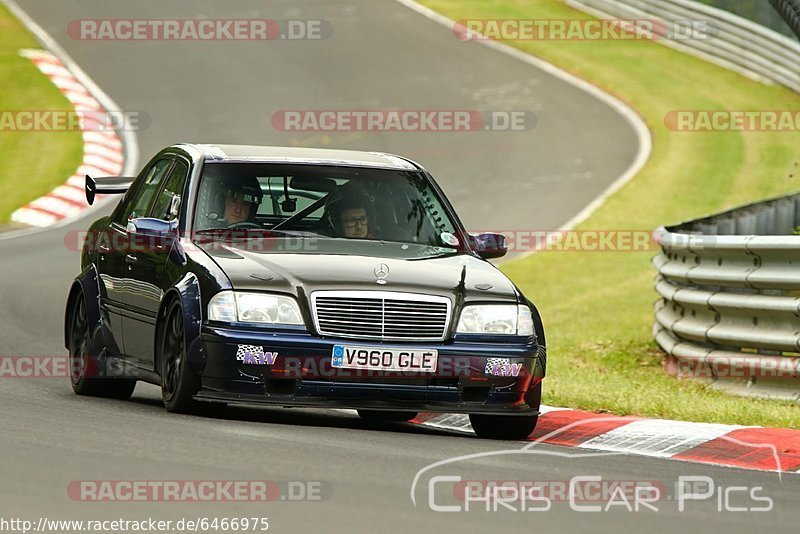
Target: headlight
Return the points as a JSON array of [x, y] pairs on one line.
[[236, 306], [507, 319]]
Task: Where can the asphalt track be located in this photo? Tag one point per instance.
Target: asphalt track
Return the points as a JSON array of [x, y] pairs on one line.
[[381, 55]]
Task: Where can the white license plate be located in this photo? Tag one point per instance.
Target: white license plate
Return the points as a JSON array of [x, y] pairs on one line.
[[386, 359]]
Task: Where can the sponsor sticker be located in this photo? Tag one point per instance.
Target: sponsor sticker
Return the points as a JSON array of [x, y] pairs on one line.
[[255, 355], [502, 367]]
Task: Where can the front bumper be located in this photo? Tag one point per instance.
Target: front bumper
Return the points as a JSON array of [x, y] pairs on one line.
[[297, 372]]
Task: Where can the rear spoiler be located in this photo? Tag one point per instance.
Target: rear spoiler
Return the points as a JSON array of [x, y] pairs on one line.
[[107, 185]]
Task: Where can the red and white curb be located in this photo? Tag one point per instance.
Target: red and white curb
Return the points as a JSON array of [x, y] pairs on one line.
[[102, 150], [758, 448]]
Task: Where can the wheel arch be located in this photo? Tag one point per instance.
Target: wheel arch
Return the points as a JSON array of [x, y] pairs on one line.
[[541, 341], [186, 292], [87, 283]]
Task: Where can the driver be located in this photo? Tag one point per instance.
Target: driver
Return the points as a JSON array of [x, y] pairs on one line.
[[242, 197]]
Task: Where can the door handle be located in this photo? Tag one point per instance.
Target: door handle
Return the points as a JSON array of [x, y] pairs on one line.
[[130, 258]]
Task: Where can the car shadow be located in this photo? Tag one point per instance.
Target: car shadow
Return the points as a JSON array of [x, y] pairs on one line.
[[148, 397], [306, 417]]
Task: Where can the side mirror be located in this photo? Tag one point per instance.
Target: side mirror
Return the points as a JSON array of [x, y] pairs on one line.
[[146, 226], [489, 246], [151, 235]]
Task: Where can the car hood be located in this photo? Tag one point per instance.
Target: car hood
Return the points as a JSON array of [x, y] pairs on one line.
[[350, 265]]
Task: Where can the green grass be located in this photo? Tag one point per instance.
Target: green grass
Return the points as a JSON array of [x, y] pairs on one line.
[[31, 163], [598, 306]]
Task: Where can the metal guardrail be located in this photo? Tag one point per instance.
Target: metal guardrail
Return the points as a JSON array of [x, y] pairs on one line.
[[729, 284], [735, 42], [729, 311], [758, 11], [790, 11]]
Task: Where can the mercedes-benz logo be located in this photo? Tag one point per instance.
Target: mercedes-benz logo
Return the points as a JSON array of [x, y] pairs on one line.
[[381, 272]]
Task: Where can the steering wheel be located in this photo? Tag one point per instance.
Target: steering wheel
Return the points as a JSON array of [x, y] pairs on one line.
[[245, 224]]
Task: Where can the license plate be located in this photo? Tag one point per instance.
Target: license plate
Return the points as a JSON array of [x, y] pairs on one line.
[[385, 359]]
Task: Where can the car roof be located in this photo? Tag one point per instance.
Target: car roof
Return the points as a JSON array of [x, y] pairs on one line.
[[300, 155]]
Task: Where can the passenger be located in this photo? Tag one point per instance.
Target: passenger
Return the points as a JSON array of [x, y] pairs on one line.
[[350, 217]]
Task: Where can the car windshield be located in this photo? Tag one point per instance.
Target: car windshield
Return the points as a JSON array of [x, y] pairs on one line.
[[331, 201]]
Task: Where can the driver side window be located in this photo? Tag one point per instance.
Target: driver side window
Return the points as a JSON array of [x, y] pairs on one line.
[[168, 201], [138, 204]]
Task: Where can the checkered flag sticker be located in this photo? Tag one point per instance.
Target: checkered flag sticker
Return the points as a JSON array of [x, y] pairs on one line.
[[494, 364], [254, 350]]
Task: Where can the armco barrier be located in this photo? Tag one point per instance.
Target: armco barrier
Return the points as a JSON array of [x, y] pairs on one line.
[[790, 11], [735, 42], [729, 307]]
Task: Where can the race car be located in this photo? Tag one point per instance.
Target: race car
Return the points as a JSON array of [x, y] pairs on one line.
[[301, 278]]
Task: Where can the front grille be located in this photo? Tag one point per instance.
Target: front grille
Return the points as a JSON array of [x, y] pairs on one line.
[[382, 315]]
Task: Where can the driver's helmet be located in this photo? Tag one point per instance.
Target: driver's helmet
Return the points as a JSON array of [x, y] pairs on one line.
[[245, 189]]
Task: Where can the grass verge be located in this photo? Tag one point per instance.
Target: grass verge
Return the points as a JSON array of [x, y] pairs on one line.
[[598, 306], [32, 162]]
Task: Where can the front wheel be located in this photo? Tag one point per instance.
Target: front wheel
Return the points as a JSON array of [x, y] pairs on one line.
[[509, 426], [179, 382], [83, 368], [503, 426]]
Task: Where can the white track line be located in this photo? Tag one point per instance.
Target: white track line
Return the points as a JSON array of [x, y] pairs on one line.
[[636, 122], [657, 437], [58, 204]]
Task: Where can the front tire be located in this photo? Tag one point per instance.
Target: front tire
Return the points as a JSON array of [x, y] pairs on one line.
[[83, 367], [179, 383], [513, 427]]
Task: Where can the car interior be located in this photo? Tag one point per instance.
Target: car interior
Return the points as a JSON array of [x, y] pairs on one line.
[[400, 205]]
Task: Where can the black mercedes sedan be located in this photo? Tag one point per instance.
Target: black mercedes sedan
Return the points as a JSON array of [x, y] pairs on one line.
[[301, 278]]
